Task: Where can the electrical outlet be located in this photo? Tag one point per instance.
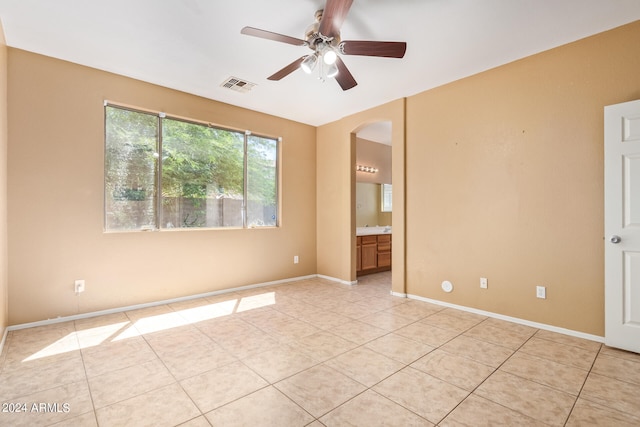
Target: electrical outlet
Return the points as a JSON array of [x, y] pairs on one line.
[[79, 286], [296, 259], [484, 283], [541, 292]]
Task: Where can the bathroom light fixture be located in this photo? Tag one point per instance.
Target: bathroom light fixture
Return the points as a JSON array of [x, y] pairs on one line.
[[369, 169]]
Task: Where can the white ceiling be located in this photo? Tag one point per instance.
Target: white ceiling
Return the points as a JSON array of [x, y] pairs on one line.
[[194, 45]]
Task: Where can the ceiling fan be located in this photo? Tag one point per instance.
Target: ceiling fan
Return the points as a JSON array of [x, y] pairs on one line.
[[323, 38]]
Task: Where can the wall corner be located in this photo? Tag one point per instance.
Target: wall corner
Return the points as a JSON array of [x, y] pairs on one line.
[[4, 292]]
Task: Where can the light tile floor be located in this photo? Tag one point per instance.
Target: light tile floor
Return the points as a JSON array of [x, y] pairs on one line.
[[312, 353]]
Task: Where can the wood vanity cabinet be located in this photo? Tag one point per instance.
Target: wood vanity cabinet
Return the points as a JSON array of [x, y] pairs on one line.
[[384, 250], [369, 252], [373, 253]]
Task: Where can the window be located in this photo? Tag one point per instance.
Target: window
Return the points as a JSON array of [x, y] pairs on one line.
[[163, 172], [386, 197], [130, 169]]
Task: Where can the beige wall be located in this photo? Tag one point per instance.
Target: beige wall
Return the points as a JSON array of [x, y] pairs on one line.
[[336, 150], [4, 297], [505, 181], [56, 200], [369, 153]]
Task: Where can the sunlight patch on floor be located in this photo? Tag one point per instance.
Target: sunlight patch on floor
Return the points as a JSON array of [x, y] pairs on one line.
[[256, 301], [77, 340], [93, 337]]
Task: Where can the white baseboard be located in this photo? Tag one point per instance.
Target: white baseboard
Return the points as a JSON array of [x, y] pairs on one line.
[[62, 319], [536, 325], [4, 339], [333, 279], [398, 294]]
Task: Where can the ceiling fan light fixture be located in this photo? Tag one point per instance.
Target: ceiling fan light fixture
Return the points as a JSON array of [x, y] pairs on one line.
[[332, 71], [329, 57], [309, 63]]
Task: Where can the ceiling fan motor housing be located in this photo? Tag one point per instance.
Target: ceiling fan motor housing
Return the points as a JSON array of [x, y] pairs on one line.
[[314, 38]]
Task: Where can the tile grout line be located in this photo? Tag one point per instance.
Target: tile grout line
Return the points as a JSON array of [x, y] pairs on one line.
[[489, 376], [56, 385], [469, 392], [86, 376], [404, 367], [177, 382], [269, 383], [460, 333], [582, 386], [324, 362]]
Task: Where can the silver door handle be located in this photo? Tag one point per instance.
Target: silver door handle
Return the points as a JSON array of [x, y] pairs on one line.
[[615, 239]]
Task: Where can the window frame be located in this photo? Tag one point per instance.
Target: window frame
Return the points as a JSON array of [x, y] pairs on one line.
[[160, 116], [386, 190]]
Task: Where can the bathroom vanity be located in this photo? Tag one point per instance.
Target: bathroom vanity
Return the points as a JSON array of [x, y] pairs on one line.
[[373, 250]]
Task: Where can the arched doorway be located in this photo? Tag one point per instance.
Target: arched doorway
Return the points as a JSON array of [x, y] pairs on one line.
[[335, 194], [374, 204], [379, 144]]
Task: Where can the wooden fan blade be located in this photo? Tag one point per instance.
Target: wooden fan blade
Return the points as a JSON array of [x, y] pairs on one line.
[[287, 70], [344, 77], [373, 48], [333, 16], [263, 34]]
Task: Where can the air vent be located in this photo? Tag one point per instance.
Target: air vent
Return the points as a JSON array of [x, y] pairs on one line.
[[238, 85]]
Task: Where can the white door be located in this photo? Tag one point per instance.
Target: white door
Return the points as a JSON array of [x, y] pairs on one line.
[[622, 225]]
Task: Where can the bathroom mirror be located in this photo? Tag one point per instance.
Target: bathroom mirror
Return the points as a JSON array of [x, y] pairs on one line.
[[368, 206]]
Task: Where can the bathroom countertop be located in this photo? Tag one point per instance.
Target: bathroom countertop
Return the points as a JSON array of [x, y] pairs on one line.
[[369, 231]]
